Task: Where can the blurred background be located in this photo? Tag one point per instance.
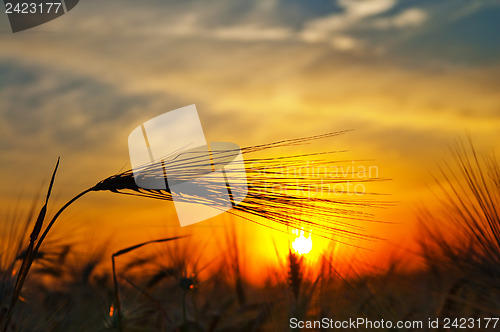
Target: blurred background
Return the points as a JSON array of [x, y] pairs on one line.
[[409, 77]]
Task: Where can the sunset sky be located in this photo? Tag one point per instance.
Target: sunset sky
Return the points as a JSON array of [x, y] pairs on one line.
[[409, 77]]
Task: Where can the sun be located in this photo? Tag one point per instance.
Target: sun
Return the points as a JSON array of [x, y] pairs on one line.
[[302, 245]]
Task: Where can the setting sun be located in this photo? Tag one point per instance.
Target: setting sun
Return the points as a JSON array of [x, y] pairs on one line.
[[302, 245]]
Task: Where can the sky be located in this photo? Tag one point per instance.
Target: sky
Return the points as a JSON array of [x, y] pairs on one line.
[[409, 77]]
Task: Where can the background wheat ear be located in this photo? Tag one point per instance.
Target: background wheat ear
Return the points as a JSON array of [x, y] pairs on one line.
[[470, 200], [30, 252], [295, 273], [118, 308]]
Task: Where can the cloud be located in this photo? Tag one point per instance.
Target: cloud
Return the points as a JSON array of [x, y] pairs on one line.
[[365, 8], [412, 17], [252, 33], [354, 12], [331, 29], [345, 43]]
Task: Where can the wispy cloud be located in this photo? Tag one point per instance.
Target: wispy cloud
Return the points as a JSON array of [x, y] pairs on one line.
[[353, 12], [412, 17], [358, 15], [253, 33]]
